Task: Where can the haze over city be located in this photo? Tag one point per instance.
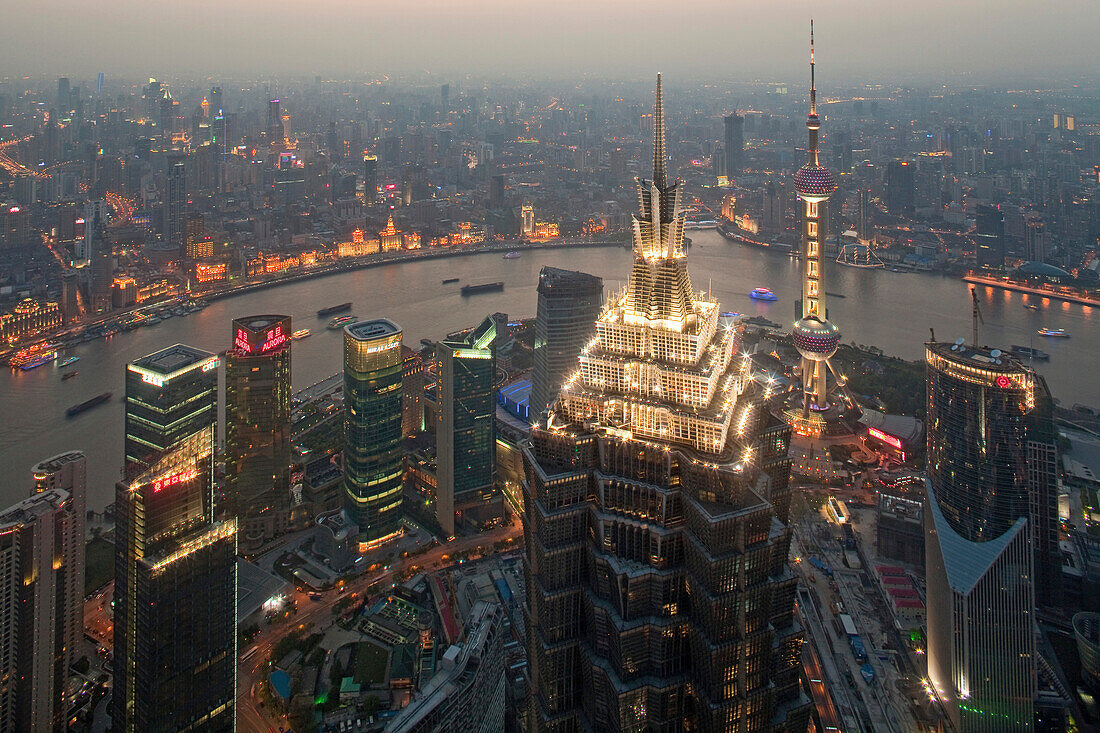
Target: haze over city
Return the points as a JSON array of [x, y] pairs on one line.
[[982, 41]]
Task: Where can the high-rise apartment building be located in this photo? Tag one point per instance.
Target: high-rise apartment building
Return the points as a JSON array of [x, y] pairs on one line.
[[466, 435], [370, 177], [69, 472], [734, 135], [372, 430], [170, 395], [989, 238], [900, 187], [175, 596], [175, 204], [565, 320], [257, 427], [656, 508], [991, 545], [774, 208], [865, 214], [1035, 239], [42, 596]]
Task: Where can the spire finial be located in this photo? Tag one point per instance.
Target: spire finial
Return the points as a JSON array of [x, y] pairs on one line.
[[659, 175], [813, 85]]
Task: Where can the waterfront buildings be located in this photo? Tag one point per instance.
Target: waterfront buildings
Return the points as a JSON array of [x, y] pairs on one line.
[[467, 693], [28, 317], [466, 436], [991, 533], [372, 430], [656, 515], [170, 395], [175, 594], [569, 303], [257, 427], [42, 596]]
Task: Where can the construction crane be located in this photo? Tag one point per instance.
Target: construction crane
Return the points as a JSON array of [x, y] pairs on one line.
[[977, 315]]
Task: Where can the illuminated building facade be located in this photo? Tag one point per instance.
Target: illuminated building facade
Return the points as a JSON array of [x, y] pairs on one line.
[[990, 521], [28, 317], [257, 427], [41, 606], [656, 507], [568, 305], [170, 395], [372, 430], [175, 634], [466, 435], [815, 337]]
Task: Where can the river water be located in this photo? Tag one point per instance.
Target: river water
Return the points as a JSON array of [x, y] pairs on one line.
[[890, 310]]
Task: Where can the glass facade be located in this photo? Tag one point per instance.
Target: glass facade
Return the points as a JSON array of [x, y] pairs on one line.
[[569, 304], [169, 395], [991, 532], [257, 427], [175, 595], [466, 439], [372, 429]]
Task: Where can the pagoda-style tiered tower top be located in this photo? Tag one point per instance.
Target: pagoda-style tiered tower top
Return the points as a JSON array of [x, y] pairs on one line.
[[660, 365]]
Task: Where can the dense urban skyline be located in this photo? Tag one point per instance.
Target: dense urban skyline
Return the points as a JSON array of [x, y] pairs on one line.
[[528, 472]]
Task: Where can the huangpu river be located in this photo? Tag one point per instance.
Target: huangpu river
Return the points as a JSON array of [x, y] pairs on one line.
[[892, 311]]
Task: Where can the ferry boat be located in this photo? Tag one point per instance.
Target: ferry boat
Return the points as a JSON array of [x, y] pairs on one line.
[[693, 224], [341, 321], [67, 362], [513, 255], [859, 255], [1058, 333], [333, 309], [1030, 353], [99, 399], [300, 334], [450, 280], [34, 356], [483, 288], [763, 294], [68, 375]]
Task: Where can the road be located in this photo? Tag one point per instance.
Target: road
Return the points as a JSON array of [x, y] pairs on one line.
[[250, 675]]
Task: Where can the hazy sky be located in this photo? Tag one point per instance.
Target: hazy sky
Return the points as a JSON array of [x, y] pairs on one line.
[[713, 39]]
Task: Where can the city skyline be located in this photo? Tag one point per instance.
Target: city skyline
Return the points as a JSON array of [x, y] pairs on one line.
[[529, 471]]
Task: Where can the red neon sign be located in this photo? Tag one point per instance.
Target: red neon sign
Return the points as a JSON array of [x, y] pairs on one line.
[[176, 478], [1003, 382], [884, 437], [272, 339]]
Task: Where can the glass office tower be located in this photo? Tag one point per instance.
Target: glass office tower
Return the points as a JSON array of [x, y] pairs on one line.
[[569, 303], [175, 596], [466, 438], [170, 395], [372, 430], [991, 532], [257, 427]]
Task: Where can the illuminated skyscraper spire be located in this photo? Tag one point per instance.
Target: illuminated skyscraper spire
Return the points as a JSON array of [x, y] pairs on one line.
[[660, 177]]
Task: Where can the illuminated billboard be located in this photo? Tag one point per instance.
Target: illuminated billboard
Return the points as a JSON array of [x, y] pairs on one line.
[[258, 335]]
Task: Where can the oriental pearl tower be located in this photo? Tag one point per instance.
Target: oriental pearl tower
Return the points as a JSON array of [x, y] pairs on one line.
[[815, 337]]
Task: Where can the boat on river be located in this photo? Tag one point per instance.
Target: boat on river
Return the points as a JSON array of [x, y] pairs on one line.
[[1058, 333], [763, 294]]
